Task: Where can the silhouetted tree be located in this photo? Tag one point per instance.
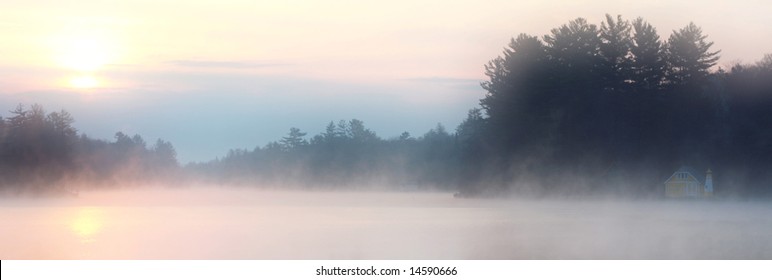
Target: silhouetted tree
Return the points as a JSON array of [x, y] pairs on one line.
[[574, 48], [519, 89], [294, 139], [648, 65], [689, 55], [358, 132], [615, 48]]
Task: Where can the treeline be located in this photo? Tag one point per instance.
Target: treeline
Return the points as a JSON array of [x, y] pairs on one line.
[[616, 108], [346, 154], [609, 108], [43, 153]]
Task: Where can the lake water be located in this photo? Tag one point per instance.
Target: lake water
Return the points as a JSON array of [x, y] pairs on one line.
[[223, 223]]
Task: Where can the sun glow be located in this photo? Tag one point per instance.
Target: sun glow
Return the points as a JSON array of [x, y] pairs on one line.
[[84, 82], [87, 223], [84, 54]]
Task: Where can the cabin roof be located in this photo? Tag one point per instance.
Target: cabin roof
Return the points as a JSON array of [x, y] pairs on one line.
[[700, 176]]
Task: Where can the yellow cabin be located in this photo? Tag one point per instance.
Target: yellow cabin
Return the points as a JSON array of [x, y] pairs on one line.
[[687, 182]]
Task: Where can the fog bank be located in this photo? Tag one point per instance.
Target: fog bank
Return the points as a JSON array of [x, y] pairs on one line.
[[231, 223]]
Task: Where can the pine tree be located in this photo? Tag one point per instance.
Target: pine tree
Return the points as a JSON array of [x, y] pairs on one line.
[[689, 56], [293, 140], [615, 49], [648, 65]]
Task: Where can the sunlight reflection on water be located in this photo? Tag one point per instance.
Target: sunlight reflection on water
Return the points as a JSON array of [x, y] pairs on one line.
[[87, 223]]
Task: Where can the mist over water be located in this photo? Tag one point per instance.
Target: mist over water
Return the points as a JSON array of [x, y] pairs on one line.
[[238, 223]]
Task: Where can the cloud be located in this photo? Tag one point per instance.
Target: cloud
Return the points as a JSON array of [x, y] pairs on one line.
[[448, 82], [443, 80], [224, 64]]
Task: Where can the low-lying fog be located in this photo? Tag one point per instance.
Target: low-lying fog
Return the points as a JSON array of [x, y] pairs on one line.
[[224, 223]]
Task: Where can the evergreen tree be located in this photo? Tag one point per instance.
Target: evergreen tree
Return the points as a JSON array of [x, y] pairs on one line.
[[648, 65], [293, 140], [689, 56], [359, 133], [519, 91], [574, 50], [615, 48]]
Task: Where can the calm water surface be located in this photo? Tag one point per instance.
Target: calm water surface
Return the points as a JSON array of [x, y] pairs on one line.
[[247, 224]]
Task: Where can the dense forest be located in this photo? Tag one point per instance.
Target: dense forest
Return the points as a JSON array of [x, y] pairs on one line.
[[42, 153], [615, 108], [610, 108]]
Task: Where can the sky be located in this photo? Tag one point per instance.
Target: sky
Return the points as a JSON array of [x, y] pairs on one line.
[[214, 75]]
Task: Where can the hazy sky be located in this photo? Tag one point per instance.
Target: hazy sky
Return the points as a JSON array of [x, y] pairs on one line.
[[213, 75]]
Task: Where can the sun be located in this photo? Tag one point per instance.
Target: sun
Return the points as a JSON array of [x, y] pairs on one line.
[[83, 54]]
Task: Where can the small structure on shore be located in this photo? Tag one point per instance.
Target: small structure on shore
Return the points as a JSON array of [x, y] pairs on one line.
[[688, 183]]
